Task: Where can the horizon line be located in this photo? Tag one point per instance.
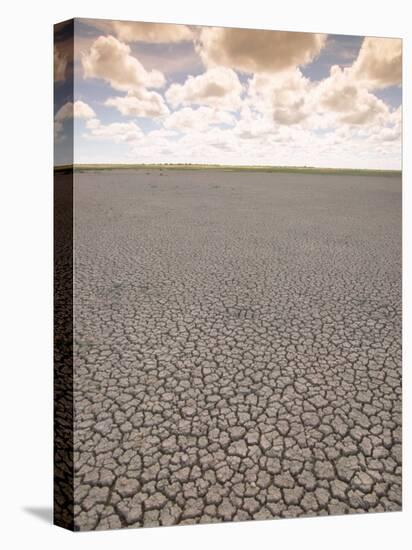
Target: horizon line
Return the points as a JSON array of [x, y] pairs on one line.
[[233, 167]]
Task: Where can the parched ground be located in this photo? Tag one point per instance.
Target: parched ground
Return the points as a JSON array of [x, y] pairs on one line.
[[237, 346]]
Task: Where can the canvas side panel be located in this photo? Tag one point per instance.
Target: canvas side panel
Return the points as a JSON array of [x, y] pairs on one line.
[[63, 275]]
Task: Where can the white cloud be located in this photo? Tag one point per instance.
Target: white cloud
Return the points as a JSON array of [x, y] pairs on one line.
[[111, 60], [379, 63], [58, 131], [82, 110], [287, 145], [188, 119], [60, 64], [284, 95], [218, 87], [223, 140], [137, 31], [340, 93], [154, 33], [279, 117], [162, 133], [291, 114], [396, 116], [155, 144], [93, 123], [392, 132], [79, 109], [389, 134], [140, 103], [253, 125], [68, 111], [116, 131], [254, 51], [65, 112]]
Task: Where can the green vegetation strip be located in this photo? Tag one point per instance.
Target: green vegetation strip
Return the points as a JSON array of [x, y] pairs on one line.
[[268, 169]]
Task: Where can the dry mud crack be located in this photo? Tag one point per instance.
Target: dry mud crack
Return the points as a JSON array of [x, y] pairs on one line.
[[237, 346]]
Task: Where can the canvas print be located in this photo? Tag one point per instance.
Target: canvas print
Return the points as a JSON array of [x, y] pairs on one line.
[[227, 274]]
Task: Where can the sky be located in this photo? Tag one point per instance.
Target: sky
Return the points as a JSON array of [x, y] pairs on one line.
[[132, 92]]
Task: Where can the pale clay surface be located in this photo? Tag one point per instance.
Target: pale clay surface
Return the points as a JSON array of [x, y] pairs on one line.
[[237, 346]]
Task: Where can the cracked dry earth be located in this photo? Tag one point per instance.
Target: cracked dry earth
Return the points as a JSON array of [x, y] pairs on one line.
[[237, 346]]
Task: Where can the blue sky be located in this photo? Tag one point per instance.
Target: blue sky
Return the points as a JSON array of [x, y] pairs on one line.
[[149, 93]]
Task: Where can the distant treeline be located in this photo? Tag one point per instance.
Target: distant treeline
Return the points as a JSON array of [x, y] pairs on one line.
[[229, 168]]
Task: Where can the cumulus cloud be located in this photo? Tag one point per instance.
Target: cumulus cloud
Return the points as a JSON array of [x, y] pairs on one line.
[[111, 60], [393, 131], [79, 109], [69, 111], [157, 143], [271, 114], [284, 146], [60, 64], [389, 134], [82, 110], [354, 104], [218, 87], [222, 140], [155, 33], [379, 62], [65, 112], [188, 119], [58, 131], [255, 51], [368, 109], [116, 131], [252, 125], [285, 96], [140, 103], [137, 31], [292, 114], [396, 116]]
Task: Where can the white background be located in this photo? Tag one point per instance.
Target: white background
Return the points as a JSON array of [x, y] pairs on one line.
[[26, 273]]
